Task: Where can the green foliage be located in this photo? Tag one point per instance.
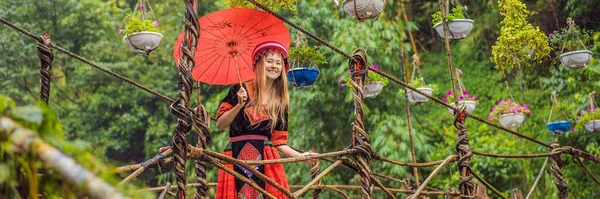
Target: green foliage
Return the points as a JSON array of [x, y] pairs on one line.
[[271, 4], [587, 116], [42, 121], [418, 84], [374, 77], [463, 95], [457, 13], [303, 55], [564, 111], [135, 24], [519, 42], [571, 38]]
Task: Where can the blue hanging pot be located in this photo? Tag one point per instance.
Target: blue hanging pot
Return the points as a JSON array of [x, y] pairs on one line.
[[559, 127], [302, 77]]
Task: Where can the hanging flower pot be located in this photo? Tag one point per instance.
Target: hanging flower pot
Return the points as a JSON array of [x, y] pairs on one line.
[[559, 127], [572, 40], [509, 113], [302, 77], [304, 60], [464, 97], [372, 89], [363, 9], [471, 105], [593, 126], [511, 119], [590, 118], [141, 33], [459, 28], [576, 59], [143, 42], [565, 112], [415, 97]]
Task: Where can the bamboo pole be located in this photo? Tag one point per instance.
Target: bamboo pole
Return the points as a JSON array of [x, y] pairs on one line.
[[436, 171], [488, 185], [25, 140], [145, 165], [409, 121], [282, 160], [317, 178], [425, 164], [164, 191], [122, 169], [537, 179]]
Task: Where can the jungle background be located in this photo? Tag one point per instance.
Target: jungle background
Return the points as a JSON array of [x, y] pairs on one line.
[[122, 125]]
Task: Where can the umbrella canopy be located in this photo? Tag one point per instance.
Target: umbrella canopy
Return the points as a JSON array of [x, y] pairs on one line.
[[227, 39]]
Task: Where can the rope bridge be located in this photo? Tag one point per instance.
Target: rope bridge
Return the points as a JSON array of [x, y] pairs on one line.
[[357, 156]]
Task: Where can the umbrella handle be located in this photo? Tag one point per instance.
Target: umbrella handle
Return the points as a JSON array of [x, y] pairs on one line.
[[237, 68]]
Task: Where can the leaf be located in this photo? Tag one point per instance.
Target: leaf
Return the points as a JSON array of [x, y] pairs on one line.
[[31, 114], [6, 104]]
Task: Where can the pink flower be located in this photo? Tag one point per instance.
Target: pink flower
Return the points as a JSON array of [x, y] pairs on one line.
[[155, 23], [449, 93], [343, 85], [142, 8], [465, 93], [375, 67], [490, 117], [119, 31], [462, 98], [476, 99], [340, 79]]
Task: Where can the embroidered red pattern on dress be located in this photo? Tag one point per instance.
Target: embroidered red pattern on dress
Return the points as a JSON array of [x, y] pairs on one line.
[[248, 192], [255, 118]]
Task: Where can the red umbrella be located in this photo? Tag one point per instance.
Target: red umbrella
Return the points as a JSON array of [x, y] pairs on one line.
[[227, 38]]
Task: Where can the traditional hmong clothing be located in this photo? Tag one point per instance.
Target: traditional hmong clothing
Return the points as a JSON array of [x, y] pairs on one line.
[[251, 138]]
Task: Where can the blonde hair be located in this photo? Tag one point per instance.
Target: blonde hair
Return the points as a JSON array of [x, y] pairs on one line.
[[279, 100]]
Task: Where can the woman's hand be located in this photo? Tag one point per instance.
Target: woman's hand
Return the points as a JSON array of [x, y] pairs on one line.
[[289, 152], [310, 154], [242, 96]]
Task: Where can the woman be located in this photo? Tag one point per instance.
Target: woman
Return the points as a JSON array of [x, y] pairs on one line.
[[257, 115]]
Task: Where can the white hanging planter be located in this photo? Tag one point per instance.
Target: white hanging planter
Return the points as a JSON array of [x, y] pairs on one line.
[[471, 105], [576, 59], [363, 9], [415, 97], [459, 28], [143, 42], [511, 120], [593, 126], [372, 89]]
